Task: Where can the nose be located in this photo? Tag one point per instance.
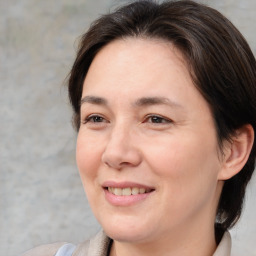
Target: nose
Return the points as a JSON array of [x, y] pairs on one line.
[[121, 150]]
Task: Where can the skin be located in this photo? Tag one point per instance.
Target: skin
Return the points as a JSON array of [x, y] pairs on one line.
[[170, 146]]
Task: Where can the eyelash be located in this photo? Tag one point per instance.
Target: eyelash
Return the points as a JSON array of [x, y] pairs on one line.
[[93, 118], [157, 118], [154, 119]]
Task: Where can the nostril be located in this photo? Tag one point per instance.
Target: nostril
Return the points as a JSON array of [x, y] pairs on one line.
[[120, 155]]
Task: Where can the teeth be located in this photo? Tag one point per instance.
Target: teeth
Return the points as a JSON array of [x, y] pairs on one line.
[[135, 191], [117, 191], [127, 191], [142, 190]]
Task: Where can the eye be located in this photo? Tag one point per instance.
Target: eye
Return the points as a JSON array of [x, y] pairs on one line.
[[94, 120], [156, 119]]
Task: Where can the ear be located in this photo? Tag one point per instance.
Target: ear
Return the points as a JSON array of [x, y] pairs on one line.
[[236, 152]]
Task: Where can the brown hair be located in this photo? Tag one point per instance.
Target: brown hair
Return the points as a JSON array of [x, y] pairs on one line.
[[221, 64]]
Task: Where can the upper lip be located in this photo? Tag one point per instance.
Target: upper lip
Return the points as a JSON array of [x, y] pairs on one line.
[[126, 184]]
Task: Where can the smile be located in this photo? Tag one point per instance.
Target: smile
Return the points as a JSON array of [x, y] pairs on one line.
[[127, 191]]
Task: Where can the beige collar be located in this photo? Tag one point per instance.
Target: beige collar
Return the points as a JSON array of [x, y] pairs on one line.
[[98, 246]]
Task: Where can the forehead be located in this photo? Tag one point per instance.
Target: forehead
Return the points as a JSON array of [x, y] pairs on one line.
[[146, 48], [136, 61], [142, 73], [131, 69]]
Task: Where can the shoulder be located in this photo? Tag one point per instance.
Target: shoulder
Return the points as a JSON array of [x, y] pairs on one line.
[[97, 245], [44, 250]]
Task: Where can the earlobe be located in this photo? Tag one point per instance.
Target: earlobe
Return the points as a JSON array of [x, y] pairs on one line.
[[237, 152]]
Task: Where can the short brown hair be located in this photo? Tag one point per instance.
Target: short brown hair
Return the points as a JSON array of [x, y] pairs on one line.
[[221, 64]]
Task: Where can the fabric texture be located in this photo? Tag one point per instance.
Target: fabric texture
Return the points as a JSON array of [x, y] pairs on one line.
[[66, 250], [43, 250], [99, 246]]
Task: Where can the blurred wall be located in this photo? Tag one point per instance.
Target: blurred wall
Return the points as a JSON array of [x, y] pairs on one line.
[[41, 196]]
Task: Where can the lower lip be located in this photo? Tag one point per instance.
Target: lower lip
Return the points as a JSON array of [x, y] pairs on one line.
[[125, 200]]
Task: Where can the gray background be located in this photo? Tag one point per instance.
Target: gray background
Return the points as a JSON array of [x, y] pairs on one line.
[[41, 196]]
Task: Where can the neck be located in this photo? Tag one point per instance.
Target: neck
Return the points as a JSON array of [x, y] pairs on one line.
[[189, 240], [164, 247]]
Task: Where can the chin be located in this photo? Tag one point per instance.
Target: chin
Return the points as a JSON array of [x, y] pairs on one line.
[[126, 232], [130, 236]]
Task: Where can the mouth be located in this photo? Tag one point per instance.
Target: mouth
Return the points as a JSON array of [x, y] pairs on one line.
[[128, 191]]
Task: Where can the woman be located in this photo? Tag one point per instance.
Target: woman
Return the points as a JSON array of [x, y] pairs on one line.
[[164, 105]]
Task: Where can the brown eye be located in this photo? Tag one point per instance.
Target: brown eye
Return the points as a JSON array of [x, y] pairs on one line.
[[95, 119], [157, 119]]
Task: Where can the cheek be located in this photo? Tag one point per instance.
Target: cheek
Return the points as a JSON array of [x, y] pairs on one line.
[[88, 156], [187, 178], [185, 164], [183, 152], [172, 156]]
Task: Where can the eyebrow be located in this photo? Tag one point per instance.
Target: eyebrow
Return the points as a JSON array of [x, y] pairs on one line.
[[93, 100], [147, 101]]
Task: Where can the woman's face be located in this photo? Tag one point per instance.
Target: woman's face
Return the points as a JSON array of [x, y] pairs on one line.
[[147, 150]]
